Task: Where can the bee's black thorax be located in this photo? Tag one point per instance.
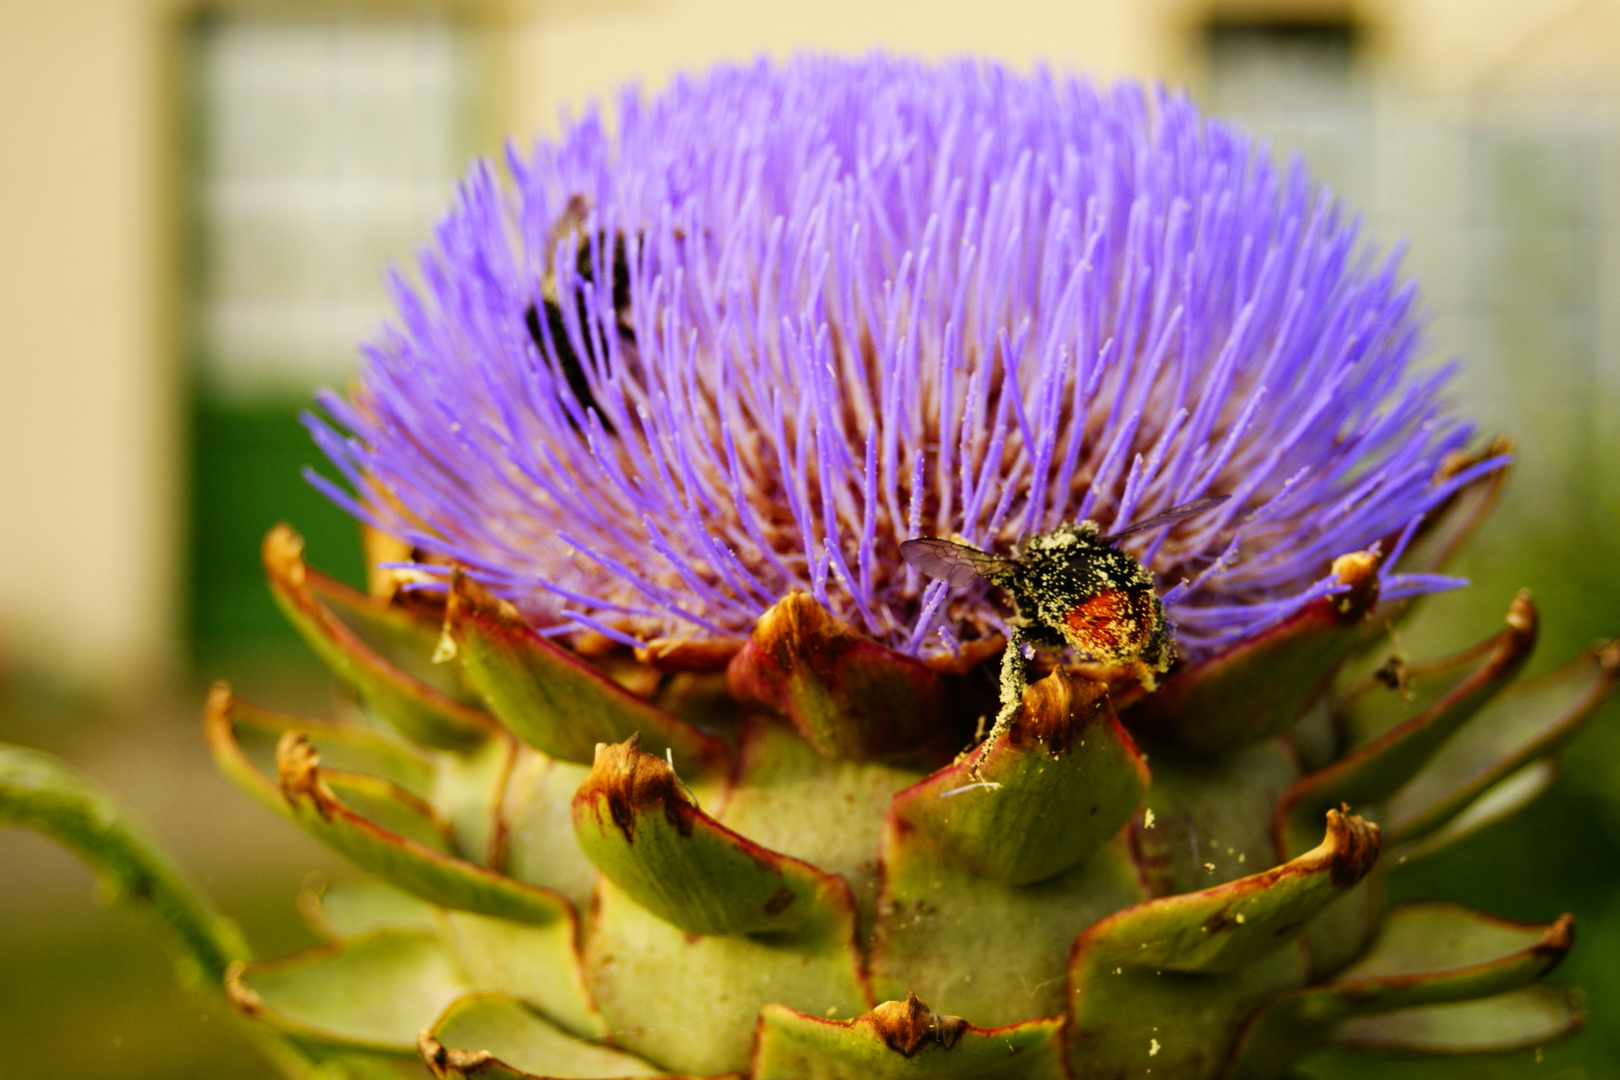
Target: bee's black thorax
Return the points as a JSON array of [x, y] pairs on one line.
[[550, 308]]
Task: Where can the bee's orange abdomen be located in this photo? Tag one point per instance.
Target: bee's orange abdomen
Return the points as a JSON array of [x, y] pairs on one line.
[[1113, 624]]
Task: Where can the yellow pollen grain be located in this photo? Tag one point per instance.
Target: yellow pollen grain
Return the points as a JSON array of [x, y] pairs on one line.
[[1147, 818], [1153, 1047]]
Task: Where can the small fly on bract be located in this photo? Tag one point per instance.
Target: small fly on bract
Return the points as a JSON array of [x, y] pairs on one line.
[[1069, 587]]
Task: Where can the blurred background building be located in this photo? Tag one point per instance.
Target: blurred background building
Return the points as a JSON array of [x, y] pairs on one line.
[[198, 202]]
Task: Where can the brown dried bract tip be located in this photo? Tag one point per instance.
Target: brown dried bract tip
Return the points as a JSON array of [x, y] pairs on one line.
[[596, 646], [908, 1026], [1521, 613], [377, 548], [690, 654], [1352, 845], [447, 1064], [298, 768], [242, 998], [796, 626], [470, 598], [1453, 463], [466, 600], [1056, 709], [217, 714], [1559, 938], [1359, 570], [283, 554], [1458, 460], [849, 695], [632, 783]]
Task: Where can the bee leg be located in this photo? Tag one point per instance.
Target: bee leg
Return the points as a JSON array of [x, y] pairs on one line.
[[1014, 678]]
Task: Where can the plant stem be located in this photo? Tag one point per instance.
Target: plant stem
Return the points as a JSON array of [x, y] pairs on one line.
[[42, 792]]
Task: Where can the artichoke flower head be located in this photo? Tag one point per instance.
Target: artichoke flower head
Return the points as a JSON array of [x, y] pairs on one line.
[[665, 760], [780, 320]]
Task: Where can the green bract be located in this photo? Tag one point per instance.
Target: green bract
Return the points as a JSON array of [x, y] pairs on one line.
[[768, 858], [667, 765]]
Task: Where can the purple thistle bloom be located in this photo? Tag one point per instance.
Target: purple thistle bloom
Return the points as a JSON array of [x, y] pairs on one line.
[[846, 303]]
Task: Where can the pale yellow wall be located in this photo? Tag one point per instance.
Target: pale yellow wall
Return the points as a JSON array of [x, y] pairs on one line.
[[88, 462], [569, 50], [564, 51], [89, 422]]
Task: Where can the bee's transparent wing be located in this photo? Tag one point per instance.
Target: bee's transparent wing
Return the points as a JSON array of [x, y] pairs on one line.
[[955, 564], [1169, 517]]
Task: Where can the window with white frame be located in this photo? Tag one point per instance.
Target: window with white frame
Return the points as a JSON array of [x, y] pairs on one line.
[[327, 148]]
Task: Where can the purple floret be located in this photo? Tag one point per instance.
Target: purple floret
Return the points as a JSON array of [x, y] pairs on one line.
[[875, 299]]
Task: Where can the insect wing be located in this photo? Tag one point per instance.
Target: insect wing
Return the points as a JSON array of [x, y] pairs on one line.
[[955, 564], [1169, 517]]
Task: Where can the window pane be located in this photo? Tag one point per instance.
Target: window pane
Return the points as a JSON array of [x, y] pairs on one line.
[[326, 149]]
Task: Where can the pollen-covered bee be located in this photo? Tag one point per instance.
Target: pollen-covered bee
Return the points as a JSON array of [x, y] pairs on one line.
[[1069, 587], [570, 226]]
